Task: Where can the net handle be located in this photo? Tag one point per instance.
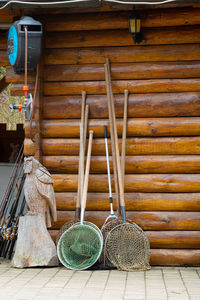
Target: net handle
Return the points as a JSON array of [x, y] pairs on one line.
[[113, 119], [123, 153], [86, 178], [85, 128], [108, 171], [84, 146], [112, 141], [81, 157]]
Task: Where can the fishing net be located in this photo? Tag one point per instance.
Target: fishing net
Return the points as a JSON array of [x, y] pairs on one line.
[[67, 225], [63, 229], [80, 246], [106, 228], [127, 247]]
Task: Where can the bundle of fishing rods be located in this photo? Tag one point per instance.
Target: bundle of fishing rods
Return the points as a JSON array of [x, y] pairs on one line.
[[12, 206]]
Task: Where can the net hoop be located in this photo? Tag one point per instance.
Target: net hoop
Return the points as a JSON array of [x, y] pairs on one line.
[[105, 229], [127, 247], [63, 229], [67, 225], [98, 238]]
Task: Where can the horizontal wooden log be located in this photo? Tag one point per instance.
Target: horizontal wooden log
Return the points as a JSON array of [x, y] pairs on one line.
[[127, 54], [170, 17], [121, 71], [165, 239], [122, 37], [135, 127], [4, 58], [175, 257], [139, 105], [174, 239], [134, 164], [146, 220], [94, 8], [17, 89], [12, 77], [119, 20], [134, 86], [7, 15], [134, 201], [144, 183], [134, 146], [3, 39]]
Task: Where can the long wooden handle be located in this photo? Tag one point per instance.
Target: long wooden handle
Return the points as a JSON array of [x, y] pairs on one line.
[[84, 145], [108, 164], [81, 156], [123, 152], [119, 173], [112, 140], [86, 177], [85, 126]]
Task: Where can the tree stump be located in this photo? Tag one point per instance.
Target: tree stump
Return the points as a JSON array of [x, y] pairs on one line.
[[34, 245]]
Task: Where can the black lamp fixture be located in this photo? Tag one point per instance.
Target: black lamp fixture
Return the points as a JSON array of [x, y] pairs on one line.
[[135, 21]]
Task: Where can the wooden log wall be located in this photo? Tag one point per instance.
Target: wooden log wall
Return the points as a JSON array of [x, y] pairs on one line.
[[162, 74], [6, 17]]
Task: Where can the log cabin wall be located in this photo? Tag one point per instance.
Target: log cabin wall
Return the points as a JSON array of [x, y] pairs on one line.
[[162, 74]]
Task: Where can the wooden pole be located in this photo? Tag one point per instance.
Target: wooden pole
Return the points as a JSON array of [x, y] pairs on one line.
[[112, 137], [123, 152]]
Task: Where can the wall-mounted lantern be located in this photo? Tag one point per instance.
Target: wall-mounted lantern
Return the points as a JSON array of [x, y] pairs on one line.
[[135, 27]]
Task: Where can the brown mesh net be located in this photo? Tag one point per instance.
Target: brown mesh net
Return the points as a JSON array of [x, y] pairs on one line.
[[127, 247], [106, 228]]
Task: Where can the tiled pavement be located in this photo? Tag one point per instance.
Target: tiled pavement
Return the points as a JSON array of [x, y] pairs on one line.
[[62, 284]]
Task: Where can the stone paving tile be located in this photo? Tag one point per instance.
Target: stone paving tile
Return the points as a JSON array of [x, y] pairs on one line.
[[8, 292], [64, 273], [195, 297], [96, 283], [71, 292], [112, 295], [132, 298], [179, 296], [89, 293], [191, 280], [175, 285], [27, 292], [155, 286], [43, 298], [50, 291], [68, 298]]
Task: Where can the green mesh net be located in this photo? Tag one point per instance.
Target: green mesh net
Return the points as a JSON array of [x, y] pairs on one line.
[[64, 228], [71, 223], [79, 247]]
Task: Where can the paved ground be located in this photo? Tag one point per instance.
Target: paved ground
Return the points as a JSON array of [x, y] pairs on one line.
[[62, 284]]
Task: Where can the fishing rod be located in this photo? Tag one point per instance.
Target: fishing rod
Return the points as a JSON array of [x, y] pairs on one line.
[[9, 191], [10, 188], [14, 230], [6, 228], [10, 199]]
